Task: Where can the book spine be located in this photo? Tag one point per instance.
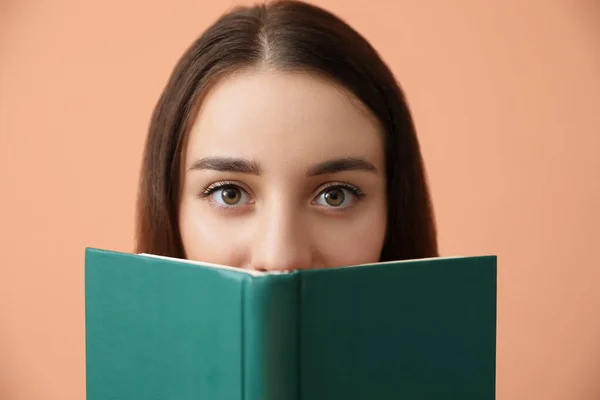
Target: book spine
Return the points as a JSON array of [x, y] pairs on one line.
[[270, 337]]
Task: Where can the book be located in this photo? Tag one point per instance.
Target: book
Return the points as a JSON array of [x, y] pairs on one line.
[[169, 329]]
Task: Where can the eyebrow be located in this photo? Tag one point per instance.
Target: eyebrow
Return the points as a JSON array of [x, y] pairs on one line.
[[341, 165], [240, 165], [227, 164]]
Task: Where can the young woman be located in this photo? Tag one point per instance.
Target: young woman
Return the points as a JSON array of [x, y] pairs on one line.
[[282, 141]]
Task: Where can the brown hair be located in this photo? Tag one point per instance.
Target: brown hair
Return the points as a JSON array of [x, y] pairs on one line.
[[286, 35]]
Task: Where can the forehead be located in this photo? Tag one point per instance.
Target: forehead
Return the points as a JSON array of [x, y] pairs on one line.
[[274, 117]]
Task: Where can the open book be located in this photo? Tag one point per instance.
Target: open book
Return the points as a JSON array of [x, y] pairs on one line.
[[164, 328]]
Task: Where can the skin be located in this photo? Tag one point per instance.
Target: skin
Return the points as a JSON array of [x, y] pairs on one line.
[[268, 179]]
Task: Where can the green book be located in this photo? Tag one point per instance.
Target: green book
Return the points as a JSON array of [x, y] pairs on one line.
[[168, 329]]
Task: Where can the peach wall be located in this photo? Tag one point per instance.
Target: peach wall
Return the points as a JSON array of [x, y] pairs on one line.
[[506, 97]]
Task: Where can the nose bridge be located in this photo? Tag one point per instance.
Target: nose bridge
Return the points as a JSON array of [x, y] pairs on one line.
[[281, 242]]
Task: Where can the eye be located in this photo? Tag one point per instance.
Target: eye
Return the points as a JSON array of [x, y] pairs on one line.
[[338, 196], [226, 194], [230, 196]]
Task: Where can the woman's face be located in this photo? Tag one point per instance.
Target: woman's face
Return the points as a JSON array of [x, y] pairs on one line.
[[282, 171]]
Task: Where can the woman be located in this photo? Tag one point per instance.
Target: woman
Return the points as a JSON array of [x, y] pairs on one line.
[[282, 141]]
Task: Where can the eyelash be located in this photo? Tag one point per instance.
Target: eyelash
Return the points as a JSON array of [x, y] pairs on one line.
[[213, 187], [221, 185], [353, 189]]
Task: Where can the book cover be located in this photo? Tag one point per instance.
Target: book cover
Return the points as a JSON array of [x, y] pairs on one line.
[[161, 328]]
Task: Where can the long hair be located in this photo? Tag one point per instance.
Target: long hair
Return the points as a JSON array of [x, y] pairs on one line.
[[292, 36]]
